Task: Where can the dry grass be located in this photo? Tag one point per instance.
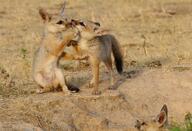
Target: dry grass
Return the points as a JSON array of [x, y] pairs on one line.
[[146, 29]]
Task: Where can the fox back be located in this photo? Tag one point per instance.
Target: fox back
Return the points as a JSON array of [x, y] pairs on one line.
[[102, 46]]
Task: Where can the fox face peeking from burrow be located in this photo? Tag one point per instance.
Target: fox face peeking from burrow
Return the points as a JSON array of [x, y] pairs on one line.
[[157, 124]]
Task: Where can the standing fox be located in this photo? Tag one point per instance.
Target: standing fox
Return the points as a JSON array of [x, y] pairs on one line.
[[45, 64], [99, 49]]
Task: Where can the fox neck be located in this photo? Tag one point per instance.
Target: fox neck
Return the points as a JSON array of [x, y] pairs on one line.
[[50, 35], [83, 44]]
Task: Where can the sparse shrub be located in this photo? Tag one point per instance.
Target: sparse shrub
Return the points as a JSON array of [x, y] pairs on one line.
[[186, 126], [23, 53]]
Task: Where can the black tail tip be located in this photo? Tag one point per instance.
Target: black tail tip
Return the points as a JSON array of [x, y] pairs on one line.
[[120, 70], [119, 65], [73, 88], [164, 108]]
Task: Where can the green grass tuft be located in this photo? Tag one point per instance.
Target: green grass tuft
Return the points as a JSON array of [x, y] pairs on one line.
[[186, 126]]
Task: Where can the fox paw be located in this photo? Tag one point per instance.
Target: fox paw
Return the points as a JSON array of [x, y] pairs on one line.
[[68, 93], [40, 91], [96, 92], [66, 90]]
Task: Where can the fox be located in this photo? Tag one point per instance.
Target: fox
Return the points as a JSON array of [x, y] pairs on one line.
[[98, 48], [45, 69], [158, 124]]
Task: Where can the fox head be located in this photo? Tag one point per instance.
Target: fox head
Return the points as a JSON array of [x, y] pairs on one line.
[[58, 25], [157, 124], [86, 25], [53, 22], [87, 29]]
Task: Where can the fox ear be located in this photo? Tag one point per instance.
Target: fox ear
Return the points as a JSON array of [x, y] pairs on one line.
[[44, 15], [162, 117]]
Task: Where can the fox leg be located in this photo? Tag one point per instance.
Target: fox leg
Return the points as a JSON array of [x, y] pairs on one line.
[[93, 62], [67, 56], [61, 79], [80, 54], [95, 70], [43, 90], [109, 67], [91, 83], [46, 86]]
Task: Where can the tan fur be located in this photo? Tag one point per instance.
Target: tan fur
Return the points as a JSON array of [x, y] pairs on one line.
[[158, 124], [45, 64], [99, 49]]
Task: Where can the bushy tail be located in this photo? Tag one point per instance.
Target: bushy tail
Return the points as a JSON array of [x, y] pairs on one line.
[[71, 87], [117, 55]]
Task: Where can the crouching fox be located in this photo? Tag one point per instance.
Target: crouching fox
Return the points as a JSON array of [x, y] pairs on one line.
[[46, 72]]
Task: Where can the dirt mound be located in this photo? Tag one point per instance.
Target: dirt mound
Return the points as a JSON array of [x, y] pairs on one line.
[[137, 98]]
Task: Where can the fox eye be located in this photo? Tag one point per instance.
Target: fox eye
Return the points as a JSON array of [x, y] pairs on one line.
[[143, 123], [60, 22]]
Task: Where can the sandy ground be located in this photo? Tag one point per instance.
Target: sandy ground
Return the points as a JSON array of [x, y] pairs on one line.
[[156, 37]]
